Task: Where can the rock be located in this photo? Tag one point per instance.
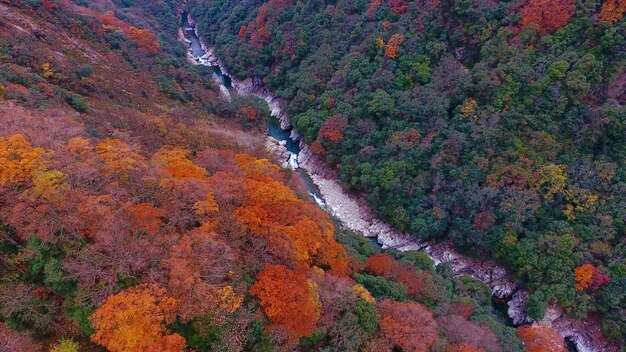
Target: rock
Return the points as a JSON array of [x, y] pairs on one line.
[[516, 308], [278, 150]]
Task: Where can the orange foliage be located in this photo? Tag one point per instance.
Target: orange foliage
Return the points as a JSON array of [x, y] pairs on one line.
[[583, 276], [548, 15], [177, 163], [18, 160], [612, 10], [392, 50], [588, 276], [118, 157], [288, 299], [291, 226], [409, 325], [133, 320], [145, 218], [539, 338]]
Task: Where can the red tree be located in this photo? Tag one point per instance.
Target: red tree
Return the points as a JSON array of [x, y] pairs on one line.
[[333, 128], [288, 299], [539, 338], [548, 15], [408, 325]]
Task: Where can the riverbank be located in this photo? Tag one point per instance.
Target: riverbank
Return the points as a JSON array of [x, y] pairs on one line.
[[355, 215]]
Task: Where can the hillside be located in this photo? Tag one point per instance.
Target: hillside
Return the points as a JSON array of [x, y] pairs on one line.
[[496, 125], [140, 211]]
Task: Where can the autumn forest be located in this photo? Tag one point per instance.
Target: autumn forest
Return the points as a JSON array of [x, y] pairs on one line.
[[141, 211]]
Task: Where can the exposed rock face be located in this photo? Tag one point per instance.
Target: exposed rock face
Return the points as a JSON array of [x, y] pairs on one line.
[[357, 216], [279, 150]]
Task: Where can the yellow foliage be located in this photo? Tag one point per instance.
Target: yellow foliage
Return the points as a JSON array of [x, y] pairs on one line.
[[379, 43], [47, 70], [65, 345], [363, 293], [18, 160], [48, 185], [553, 176], [228, 299], [509, 239], [118, 157], [468, 108]]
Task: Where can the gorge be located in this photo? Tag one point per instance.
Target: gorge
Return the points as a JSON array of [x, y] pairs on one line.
[[352, 212]]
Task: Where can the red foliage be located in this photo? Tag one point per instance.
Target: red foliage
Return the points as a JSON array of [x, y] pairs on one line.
[[333, 128], [483, 221], [459, 330], [242, 31], [418, 284], [288, 299], [14, 341], [381, 264], [408, 325], [548, 15], [398, 6], [539, 338]]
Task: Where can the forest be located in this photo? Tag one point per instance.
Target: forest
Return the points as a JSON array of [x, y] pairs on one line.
[[140, 212], [496, 125]]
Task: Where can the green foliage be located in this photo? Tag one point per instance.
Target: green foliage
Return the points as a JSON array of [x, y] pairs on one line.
[[78, 103], [199, 333], [46, 266], [381, 287], [535, 306], [366, 313]]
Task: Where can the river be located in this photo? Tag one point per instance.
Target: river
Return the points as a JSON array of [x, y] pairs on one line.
[[321, 184]]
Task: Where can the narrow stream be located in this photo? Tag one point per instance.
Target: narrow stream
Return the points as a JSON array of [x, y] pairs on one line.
[[273, 127]]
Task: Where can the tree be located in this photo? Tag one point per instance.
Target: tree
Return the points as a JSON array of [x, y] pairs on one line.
[[13, 341], [18, 160], [333, 128], [65, 345], [539, 338], [548, 15], [133, 320], [199, 265], [392, 50], [612, 10], [408, 325], [460, 330], [288, 299], [588, 276]]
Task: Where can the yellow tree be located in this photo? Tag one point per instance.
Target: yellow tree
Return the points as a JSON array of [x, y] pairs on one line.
[[18, 160]]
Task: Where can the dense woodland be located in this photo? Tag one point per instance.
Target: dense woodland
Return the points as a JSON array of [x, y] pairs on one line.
[[497, 125], [140, 212]]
